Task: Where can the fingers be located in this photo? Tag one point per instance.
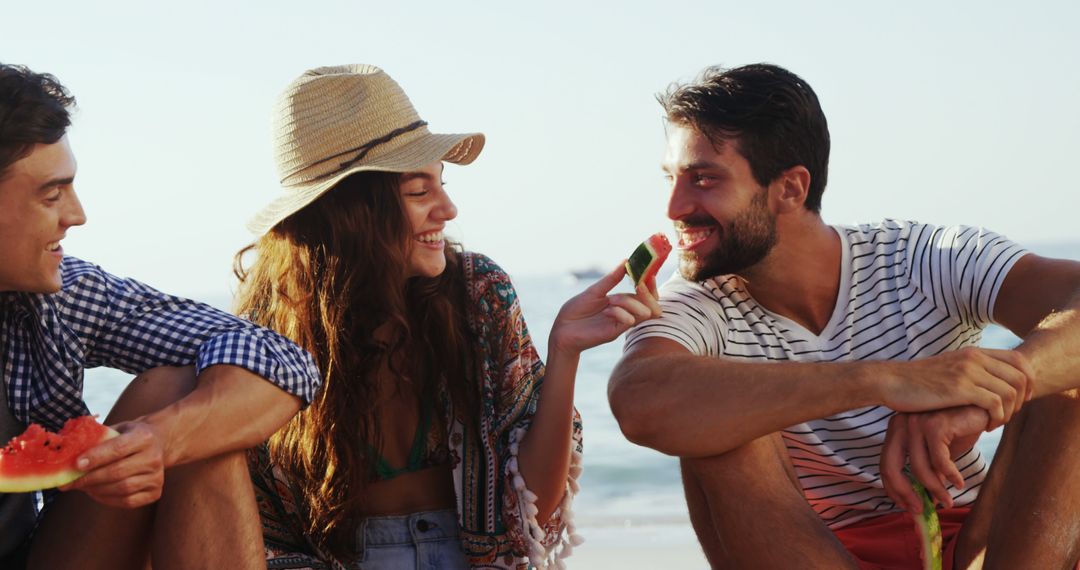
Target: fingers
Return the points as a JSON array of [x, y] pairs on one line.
[[893, 456], [622, 319], [107, 452], [129, 493], [118, 472], [651, 284], [1018, 362], [647, 294], [920, 464], [126, 471], [1006, 380], [994, 406], [132, 439], [607, 282], [1006, 374], [640, 309], [942, 463]]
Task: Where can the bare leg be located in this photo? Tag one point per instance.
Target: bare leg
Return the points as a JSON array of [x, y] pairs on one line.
[[78, 532], [759, 517], [206, 518], [1028, 511], [700, 517]]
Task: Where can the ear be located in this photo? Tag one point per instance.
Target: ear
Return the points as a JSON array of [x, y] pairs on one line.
[[791, 187]]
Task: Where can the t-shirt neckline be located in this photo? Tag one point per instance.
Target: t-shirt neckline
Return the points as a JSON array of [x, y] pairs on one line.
[[840, 304]]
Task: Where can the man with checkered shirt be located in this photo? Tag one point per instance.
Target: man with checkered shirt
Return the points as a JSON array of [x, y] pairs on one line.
[[173, 486]]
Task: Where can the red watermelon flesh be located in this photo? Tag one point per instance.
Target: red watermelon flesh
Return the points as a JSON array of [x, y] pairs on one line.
[[648, 257], [38, 459]]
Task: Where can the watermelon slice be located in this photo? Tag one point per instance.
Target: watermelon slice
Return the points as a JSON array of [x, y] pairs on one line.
[[928, 526], [647, 258], [38, 459]]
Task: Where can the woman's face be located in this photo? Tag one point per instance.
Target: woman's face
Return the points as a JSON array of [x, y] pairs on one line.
[[428, 208]]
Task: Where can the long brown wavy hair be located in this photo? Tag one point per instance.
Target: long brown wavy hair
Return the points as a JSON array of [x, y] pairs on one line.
[[327, 277]]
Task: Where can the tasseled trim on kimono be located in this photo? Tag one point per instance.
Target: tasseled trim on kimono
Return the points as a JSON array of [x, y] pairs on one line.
[[550, 544]]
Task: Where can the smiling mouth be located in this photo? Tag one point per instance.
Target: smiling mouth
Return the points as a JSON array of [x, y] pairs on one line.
[[431, 238], [689, 238], [53, 247]]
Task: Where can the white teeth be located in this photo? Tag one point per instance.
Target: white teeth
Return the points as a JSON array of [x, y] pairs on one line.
[[431, 237], [53, 246], [695, 235]]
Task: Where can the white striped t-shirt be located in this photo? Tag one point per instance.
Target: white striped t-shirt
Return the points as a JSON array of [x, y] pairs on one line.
[[907, 291]]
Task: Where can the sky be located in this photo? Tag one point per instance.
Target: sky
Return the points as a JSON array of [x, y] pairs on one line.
[[943, 112]]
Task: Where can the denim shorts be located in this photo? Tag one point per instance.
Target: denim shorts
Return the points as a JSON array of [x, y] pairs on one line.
[[421, 541]]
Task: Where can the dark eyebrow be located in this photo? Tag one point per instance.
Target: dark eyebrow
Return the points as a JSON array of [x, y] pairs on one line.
[[704, 165], [700, 165], [56, 182]]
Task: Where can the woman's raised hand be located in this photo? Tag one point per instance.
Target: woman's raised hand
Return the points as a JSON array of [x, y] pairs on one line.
[[594, 316]]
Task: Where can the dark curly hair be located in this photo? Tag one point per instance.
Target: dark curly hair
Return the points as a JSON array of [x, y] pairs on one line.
[[772, 115], [33, 110]]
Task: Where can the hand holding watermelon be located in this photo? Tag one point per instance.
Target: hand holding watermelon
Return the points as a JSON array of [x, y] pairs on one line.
[[929, 442], [127, 471], [594, 317], [121, 468], [38, 459]]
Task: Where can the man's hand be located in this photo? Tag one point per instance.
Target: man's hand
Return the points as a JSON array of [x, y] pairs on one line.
[[998, 381], [929, 442], [127, 471]]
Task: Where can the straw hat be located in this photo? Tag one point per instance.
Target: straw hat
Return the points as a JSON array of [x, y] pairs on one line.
[[335, 121]]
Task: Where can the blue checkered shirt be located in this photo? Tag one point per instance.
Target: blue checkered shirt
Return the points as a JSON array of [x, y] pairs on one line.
[[97, 319]]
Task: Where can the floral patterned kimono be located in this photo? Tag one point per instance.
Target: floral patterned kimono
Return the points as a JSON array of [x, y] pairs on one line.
[[496, 510]]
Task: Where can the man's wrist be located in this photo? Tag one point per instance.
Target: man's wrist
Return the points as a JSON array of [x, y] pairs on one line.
[[865, 383]]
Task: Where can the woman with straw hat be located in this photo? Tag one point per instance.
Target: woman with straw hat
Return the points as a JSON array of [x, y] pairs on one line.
[[431, 444]]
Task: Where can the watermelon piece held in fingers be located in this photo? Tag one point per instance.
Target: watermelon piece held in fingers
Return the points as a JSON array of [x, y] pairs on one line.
[[647, 258], [38, 459], [928, 527]]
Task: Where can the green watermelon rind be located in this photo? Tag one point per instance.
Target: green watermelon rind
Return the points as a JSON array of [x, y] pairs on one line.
[[637, 265], [928, 526], [28, 483]]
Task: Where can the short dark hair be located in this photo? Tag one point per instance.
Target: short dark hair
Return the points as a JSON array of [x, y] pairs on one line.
[[33, 110], [772, 114]]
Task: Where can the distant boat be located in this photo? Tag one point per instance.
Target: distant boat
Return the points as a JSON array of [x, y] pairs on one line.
[[588, 273]]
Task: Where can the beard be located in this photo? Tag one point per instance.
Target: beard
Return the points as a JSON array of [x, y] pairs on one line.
[[744, 243]]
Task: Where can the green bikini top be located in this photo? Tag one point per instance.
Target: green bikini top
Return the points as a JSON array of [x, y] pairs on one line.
[[420, 456]]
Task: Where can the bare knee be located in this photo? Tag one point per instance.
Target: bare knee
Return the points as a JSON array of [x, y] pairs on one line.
[[742, 500], [764, 459], [153, 390]]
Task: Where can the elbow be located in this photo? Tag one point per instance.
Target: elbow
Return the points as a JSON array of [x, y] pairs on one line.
[[635, 411], [275, 408], [283, 408]]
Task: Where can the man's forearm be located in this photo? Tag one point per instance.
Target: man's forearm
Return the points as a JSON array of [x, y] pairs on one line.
[[230, 409], [688, 406]]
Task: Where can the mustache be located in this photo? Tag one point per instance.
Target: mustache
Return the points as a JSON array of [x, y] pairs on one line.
[[699, 221]]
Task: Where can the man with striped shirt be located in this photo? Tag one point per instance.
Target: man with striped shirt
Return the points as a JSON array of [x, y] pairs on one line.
[[174, 485], [799, 366]]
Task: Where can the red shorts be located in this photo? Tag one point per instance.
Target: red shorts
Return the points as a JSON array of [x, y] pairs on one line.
[[891, 542]]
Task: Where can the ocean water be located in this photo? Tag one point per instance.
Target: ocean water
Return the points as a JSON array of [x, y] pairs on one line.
[[623, 485]]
